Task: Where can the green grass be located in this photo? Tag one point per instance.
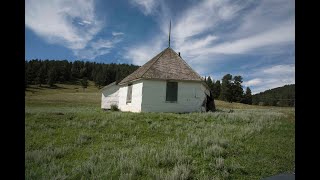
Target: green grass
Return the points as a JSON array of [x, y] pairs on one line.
[[68, 136]]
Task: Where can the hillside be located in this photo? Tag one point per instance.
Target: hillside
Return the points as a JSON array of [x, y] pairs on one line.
[[280, 96], [68, 136]]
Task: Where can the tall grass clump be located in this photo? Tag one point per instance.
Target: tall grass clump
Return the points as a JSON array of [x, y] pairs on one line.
[[114, 107]]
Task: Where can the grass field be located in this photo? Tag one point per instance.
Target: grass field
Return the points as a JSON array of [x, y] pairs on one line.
[[68, 136]]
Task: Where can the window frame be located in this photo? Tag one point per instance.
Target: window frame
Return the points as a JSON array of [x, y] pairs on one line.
[[129, 87], [177, 85]]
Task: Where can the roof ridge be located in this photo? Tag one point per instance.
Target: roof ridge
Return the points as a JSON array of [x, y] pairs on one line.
[[188, 65], [165, 65], [153, 62]]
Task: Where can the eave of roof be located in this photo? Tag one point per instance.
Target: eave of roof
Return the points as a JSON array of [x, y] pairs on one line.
[[165, 65], [109, 85]]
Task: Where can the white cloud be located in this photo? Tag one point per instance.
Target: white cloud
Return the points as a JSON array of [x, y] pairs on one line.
[[90, 53], [143, 53], [252, 82], [283, 34], [247, 38], [179, 31], [146, 6], [195, 30], [203, 17], [266, 15], [97, 48], [86, 22], [54, 21], [270, 83], [272, 77], [260, 31], [69, 23], [197, 44], [117, 33], [102, 43], [280, 69], [216, 32]]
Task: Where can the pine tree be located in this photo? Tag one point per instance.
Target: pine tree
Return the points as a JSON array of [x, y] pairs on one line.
[[30, 72], [210, 83], [216, 89], [52, 76], [83, 72], [37, 72], [226, 88], [75, 70], [25, 81], [84, 83], [41, 76], [248, 96], [99, 81], [237, 90]]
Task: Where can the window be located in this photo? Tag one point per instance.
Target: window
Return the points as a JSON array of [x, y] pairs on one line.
[[129, 93], [172, 91]]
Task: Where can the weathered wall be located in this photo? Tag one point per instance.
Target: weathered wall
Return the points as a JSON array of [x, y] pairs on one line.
[[135, 105], [190, 97], [109, 97]]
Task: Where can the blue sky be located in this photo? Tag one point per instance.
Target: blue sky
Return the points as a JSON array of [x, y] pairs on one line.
[[251, 38]]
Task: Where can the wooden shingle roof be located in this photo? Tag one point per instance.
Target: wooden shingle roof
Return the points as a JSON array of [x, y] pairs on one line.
[[167, 65]]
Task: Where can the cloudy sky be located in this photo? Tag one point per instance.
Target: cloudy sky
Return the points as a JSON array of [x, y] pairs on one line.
[[251, 38]]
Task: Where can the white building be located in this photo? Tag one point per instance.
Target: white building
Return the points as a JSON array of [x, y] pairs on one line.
[[166, 83]]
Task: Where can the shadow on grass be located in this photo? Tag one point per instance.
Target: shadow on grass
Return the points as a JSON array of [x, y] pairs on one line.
[[39, 87], [33, 89], [73, 82], [28, 90], [55, 87], [220, 110]]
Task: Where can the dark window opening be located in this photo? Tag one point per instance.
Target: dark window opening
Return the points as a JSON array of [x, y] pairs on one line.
[[172, 92], [129, 93]]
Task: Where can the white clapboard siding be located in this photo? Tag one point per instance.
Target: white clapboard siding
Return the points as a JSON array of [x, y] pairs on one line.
[[110, 96], [150, 96], [135, 105], [190, 97]]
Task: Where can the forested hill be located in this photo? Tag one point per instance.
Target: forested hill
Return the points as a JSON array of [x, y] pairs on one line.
[[62, 71], [280, 96]]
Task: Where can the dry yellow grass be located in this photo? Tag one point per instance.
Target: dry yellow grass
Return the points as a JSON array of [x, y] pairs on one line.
[[63, 94], [234, 105]]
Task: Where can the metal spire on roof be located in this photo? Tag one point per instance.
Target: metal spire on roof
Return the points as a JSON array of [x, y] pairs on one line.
[[169, 32]]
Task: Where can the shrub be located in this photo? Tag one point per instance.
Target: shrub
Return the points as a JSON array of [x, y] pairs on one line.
[[114, 107]]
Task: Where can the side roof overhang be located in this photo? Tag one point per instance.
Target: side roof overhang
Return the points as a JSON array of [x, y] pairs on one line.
[[107, 86]]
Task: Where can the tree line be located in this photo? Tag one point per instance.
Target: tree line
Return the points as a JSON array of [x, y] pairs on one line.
[[229, 89], [280, 96], [51, 72]]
